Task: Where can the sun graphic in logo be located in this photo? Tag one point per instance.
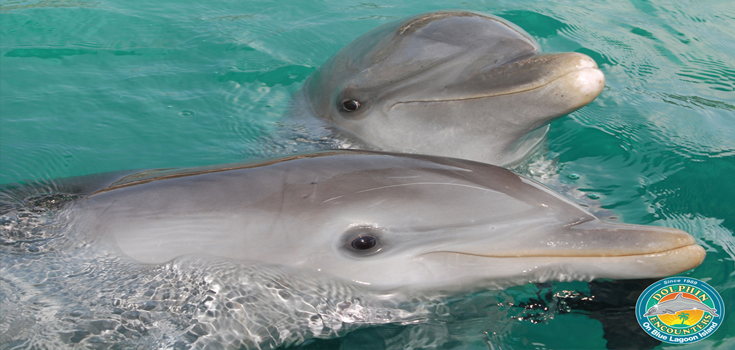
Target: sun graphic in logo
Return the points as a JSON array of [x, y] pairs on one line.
[[683, 318]]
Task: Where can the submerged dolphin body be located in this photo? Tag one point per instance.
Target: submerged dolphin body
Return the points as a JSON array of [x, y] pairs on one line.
[[680, 303], [455, 84], [382, 220]]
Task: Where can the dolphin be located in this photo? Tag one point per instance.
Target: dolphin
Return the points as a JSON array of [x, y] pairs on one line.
[[680, 303], [455, 84], [268, 254], [382, 220]]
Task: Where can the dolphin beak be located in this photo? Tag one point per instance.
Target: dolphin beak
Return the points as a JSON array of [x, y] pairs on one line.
[[556, 84], [578, 71], [584, 251], [621, 251]]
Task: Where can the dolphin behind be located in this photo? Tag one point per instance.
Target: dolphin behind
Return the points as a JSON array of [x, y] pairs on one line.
[[455, 84], [385, 221]]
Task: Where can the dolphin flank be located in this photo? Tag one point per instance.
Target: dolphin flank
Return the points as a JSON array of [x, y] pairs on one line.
[[680, 303]]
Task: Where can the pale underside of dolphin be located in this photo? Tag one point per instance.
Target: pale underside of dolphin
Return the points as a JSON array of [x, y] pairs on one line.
[[386, 221], [455, 84], [679, 303]]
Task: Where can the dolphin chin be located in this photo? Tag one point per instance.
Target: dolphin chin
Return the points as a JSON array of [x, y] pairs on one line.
[[455, 84]]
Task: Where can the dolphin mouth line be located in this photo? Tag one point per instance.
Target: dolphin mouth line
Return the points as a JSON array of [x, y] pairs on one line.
[[531, 88], [669, 251]]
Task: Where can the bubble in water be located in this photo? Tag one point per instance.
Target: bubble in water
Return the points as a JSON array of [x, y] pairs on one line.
[[187, 113]]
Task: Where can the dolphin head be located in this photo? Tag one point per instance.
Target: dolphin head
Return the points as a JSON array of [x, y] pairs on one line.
[[452, 225], [653, 310], [387, 221], [451, 83]]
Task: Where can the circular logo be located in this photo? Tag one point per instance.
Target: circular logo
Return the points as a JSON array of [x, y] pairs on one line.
[[680, 310]]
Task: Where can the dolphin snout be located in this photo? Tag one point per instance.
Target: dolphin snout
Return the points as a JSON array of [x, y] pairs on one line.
[[610, 239], [589, 82], [594, 249], [573, 79], [630, 251], [582, 83]]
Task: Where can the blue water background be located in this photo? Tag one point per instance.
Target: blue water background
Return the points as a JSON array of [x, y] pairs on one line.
[[95, 86]]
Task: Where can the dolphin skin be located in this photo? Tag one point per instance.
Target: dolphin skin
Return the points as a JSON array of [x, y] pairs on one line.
[[387, 221], [680, 303], [456, 84]]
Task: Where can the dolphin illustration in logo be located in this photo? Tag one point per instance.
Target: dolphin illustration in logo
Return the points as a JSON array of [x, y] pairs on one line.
[[678, 304]]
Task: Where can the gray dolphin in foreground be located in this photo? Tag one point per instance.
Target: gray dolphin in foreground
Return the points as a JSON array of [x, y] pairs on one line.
[[455, 84], [680, 303], [385, 221]]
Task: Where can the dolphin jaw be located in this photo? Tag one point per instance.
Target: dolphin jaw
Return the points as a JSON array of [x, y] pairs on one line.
[[561, 254], [541, 268], [574, 236]]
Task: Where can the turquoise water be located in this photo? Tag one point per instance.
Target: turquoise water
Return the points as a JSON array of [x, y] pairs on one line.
[[94, 86]]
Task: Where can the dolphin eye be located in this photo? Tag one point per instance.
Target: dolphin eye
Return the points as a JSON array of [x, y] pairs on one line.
[[351, 105], [364, 243], [363, 240]]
